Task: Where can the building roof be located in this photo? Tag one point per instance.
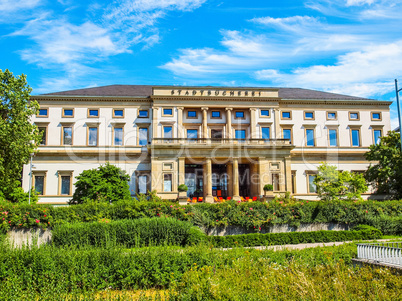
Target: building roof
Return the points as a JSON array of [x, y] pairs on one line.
[[146, 91]]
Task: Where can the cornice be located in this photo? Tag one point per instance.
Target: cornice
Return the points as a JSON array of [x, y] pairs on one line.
[[90, 98], [336, 102], [216, 98]]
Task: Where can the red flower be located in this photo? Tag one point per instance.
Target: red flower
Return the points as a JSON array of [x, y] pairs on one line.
[[216, 220], [274, 213], [366, 211], [44, 215], [37, 221], [259, 228]]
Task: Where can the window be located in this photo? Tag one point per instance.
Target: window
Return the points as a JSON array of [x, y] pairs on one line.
[[168, 132], [293, 181], [167, 112], [167, 182], [375, 116], [275, 181], [43, 132], [65, 185], [39, 184], [68, 113], [216, 114], [264, 113], [192, 134], [92, 136], [333, 137], [287, 134], [310, 137], [353, 116], [142, 184], [118, 136], [240, 134], [118, 113], [93, 112], [309, 115], [355, 137], [143, 113], [67, 135], [239, 114], [331, 115], [216, 134], [377, 135], [191, 114], [286, 115], [312, 188], [143, 136], [265, 132], [43, 113]]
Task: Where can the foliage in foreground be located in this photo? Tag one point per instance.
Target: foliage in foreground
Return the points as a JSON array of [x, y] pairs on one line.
[[258, 239], [107, 183], [18, 137], [333, 184], [385, 216], [128, 233]]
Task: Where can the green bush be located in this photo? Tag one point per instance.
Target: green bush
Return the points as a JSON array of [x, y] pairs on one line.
[[128, 233], [258, 239]]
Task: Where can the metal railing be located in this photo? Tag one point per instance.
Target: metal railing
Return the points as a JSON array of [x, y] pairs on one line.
[[390, 252], [225, 141]]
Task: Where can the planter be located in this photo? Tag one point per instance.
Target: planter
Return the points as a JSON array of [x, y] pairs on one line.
[[182, 196]]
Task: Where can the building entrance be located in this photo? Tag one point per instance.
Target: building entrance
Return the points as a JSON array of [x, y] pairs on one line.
[[219, 181], [244, 180], [194, 179]]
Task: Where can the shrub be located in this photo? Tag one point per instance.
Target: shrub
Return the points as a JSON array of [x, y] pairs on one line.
[[268, 187], [182, 188], [128, 233], [107, 183], [258, 239]]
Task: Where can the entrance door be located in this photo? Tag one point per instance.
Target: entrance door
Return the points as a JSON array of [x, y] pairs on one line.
[[244, 180], [194, 180]]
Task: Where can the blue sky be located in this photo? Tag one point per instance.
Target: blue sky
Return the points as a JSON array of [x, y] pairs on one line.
[[351, 47]]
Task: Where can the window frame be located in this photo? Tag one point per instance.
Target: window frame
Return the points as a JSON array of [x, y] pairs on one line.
[[43, 116], [62, 134], [39, 173], [308, 175], [118, 126], [287, 127], [46, 133], [354, 119], [241, 130], [329, 136], [63, 113], [265, 116], [118, 109], [373, 119], [138, 135], [163, 131], [332, 112], [374, 129], [239, 111], [192, 129], [269, 132], [306, 118], [143, 110], [192, 117], [65, 173], [351, 136], [167, 115], [171, 181], [97, 134], [214, 117], [306, 139], [286, 118], [92, 109]]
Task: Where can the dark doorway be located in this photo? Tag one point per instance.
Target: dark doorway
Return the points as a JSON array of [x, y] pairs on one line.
[[219, 181], [244, 180], [194, 180]]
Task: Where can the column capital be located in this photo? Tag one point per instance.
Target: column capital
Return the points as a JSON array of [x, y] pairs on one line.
[[228, 109], [253, 109], [155, 108], [180, 108], [204, 108]]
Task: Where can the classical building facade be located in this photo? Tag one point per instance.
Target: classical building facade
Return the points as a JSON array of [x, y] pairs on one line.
[[219, 141]]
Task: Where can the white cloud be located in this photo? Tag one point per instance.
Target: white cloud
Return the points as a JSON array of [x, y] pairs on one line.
[[293, 23], [17, 5], [359, 2]]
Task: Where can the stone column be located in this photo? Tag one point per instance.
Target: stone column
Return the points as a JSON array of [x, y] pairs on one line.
[[263, 174], [277, 128], [253, 124], [288, 174], [229, 122], [182, 170], [208, 181], [154, 122], [229, 171], [282, 177], [180, 122], [235, 182], [204, 122]]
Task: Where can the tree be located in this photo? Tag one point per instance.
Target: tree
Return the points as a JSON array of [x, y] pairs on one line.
[[333, 184], [103, 184], [18, 136], [386, 175]]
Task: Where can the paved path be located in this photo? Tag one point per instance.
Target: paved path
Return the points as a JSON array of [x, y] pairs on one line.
[[311, 245]]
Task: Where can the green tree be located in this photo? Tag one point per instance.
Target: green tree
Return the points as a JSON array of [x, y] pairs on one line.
[[18, 136], [103, 184], [386, 175], [333, 184]]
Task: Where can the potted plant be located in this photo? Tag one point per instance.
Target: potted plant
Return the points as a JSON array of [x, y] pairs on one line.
[[268, 189], [182, 189]]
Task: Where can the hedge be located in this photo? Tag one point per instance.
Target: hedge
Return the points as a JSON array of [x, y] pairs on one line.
[[386, 216], [258, 239], [49, 269], [128, 233]]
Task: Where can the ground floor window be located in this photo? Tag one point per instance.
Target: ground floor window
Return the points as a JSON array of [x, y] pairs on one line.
[[142, 184], [312, 188], [167, 182], [39, 184], [275, 181]]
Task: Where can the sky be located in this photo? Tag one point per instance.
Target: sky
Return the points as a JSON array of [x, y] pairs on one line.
[[352, 47]]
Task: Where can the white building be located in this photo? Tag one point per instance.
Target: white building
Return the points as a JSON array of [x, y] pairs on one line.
[[220, 141]]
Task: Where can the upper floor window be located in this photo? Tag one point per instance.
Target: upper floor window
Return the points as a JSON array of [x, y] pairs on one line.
[[355, 137], [287, 134], [168, 132], [92, 136], [216, 134], [333, 137], [216, 114], [376, 116], [286, 115], [68, 113], [310, 137], [93, 112], [239, 114], [240, 134], [118, 113], [118, 136], [377, 135], [192, 134], [67, 135], [167, 112], [265, 132], [309, 115], [353, 116], [143, 136], [264, 113], [331, 115], [43, 132], [191, 114], [143, 113], [43, 113]]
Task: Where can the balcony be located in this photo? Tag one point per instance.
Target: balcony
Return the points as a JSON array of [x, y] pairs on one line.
[[220, 141]]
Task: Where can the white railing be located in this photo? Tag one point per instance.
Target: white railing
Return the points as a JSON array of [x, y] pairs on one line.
[[219, 141], [390, 253]]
